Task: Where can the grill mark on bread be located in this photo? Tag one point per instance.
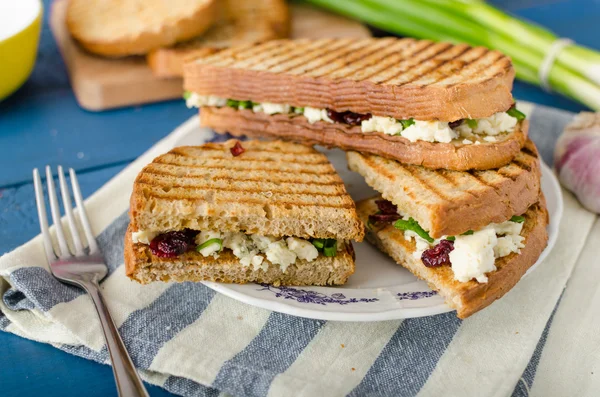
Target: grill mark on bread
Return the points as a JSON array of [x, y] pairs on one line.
[[423, 182], [242, 179], [208, 189], [385, 65], [443, 48], [262, 55], [349, 60], [527, 150], [256, 159], [279, 203], [297, 58], [247, 51], [242, 168], [434, 68], [318, 62]]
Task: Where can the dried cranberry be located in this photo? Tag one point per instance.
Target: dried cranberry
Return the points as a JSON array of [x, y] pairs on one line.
[[386, 207], [347, 117], [237, 149], [455, 124], [172, 244], [384, 218], [438, 255]]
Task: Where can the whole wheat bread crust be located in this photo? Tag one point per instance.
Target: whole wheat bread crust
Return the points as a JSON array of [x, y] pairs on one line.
[[458, 157], [141, 43], [453, 202], [466, 297], [144, 267], [449, 84], [274, 188]]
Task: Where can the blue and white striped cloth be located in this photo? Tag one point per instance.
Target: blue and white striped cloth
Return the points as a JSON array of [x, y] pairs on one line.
[[540, 339]]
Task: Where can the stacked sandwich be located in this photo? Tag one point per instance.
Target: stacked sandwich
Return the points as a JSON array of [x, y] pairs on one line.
[[431, 126], [168, 33], [269, 212]]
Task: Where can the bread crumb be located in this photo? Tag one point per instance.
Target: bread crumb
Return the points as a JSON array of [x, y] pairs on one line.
[[240, 317], [353, 369], [517, 332], [343, 345]]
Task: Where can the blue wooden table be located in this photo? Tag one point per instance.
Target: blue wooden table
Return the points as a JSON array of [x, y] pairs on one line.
[[41, 124]]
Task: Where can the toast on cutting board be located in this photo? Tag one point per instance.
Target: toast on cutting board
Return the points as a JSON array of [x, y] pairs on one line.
[[117, 28], [238, 22]]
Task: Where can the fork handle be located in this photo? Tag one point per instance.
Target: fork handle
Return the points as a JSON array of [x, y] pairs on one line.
[[128, 382]]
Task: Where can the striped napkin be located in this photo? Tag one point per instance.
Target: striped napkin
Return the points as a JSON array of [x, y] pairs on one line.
[[541, 339]]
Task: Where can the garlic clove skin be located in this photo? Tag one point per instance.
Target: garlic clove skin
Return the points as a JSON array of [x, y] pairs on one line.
[[577, 159]]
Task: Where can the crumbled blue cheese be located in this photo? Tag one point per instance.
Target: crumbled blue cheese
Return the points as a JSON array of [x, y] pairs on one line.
[[196, 101], [429, 131], [475, 255], [385, 125], [496, 124], [420, 130], [250, 249], [313, 115]]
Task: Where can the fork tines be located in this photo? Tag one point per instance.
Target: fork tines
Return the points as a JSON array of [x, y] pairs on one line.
[[63, 251]]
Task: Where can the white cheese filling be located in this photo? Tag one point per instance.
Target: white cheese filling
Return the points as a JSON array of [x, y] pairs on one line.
[[429, 131], [475, 254], [249, 249]]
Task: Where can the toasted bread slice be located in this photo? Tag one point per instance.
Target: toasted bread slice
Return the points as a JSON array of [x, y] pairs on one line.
[[239, 22], [466, 297], [144, 267], [272, 189], [400, 78], [455, 155], [116, 28], [449, 203]]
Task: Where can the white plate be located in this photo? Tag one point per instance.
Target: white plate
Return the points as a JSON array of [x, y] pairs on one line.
[[380, 289]]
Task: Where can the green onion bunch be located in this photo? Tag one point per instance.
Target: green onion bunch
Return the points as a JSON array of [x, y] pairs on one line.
[[575, 72]]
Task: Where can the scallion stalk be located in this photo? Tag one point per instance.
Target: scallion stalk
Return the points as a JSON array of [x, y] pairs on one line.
[[576, 70]]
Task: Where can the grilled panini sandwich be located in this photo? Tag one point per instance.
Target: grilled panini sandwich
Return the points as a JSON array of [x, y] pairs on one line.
[[439, 105], [238, 22], [470, 235], [269, 212]]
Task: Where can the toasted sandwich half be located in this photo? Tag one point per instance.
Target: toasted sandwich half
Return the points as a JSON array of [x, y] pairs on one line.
[[433, 104], [470, 235], [269, 212], [470, 271], [238, 22]]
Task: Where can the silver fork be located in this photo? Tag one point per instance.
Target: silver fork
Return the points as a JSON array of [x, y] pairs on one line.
[[84, 270]]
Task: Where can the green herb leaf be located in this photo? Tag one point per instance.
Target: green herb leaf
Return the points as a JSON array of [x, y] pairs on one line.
[[468, 233], [513, 112], [407, 123], [330, 248], [245, 105], [232, 103], [297, 110], [414, 226], [451, 238], [187, 94], [517, 219], [210, 242], [472, 123], [319, 243]]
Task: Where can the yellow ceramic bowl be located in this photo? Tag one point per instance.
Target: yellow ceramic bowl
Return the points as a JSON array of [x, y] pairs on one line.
[[20, 25]]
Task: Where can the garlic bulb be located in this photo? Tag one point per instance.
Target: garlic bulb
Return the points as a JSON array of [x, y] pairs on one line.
[[577, 159]]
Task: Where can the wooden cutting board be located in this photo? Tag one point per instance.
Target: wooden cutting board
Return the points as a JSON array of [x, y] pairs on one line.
[[101, 83]]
